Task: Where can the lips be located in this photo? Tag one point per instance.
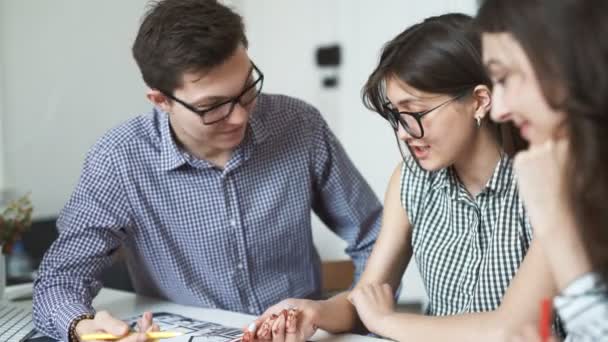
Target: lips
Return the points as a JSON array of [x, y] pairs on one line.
[[420, 151], [233, 131], [524, 130]]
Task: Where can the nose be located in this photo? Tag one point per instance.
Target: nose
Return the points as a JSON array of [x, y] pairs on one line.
[[402, 133], [239, 115], [499, 112]]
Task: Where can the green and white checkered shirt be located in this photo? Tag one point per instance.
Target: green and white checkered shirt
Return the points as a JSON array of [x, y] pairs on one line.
[[467, 249]]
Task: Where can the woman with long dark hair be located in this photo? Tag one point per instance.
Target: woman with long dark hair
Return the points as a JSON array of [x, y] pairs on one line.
[[452, 205], [548, 60]]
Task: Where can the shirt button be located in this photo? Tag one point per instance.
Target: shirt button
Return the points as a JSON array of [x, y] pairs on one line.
[[240, 266], [252, 310], [233, 223]]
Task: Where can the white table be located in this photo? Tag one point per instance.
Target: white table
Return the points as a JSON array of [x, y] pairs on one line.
[[126, 304]]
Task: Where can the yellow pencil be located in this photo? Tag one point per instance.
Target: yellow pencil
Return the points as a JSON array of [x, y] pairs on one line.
[[110, 337]]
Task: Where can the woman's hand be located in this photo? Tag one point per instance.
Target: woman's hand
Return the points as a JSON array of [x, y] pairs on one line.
[[541, 178], [291, 320], [373, 303]]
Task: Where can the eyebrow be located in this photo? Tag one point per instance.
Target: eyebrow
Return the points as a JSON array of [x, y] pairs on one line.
[[214, 99], [210, 100], [406, 102], [412, 101]]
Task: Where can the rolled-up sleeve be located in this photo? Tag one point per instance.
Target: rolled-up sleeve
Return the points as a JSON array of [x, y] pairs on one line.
[[91, 228]]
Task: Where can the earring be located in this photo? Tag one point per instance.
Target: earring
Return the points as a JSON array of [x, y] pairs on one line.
[[478, 120]]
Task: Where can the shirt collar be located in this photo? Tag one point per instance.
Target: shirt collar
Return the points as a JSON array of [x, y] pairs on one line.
[[440, 179], [498, 183], [171, 156], [502, 177], [258, 118]]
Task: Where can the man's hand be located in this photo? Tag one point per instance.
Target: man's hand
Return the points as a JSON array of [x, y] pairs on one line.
[[105, 323]]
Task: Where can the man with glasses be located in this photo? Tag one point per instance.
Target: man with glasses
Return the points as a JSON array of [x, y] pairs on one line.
[[209, 196]]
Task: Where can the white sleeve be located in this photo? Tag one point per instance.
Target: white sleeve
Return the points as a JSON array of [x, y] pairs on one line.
[[583, 307]]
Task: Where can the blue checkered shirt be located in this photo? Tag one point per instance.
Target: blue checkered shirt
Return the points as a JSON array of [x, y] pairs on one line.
[[237, 238]]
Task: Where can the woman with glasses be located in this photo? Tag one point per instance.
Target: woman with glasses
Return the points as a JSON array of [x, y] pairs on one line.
[[452, 205], [549, 63]]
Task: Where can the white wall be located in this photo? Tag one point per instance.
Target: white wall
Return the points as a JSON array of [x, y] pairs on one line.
[[2, 138], [67, 76], [2, 114]]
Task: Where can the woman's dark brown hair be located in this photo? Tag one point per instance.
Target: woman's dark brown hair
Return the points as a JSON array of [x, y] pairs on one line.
[[440, 55], [566, 44]]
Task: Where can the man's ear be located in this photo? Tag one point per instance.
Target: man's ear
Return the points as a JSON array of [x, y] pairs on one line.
[[159, 100], [483, 101]]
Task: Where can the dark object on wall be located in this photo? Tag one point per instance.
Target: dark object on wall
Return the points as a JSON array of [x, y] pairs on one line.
[[330, 82], [329, 56], [329, 59]]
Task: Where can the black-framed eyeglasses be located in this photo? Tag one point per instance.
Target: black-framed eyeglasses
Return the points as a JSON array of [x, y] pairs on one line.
[[411, 121], [220, 111]]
